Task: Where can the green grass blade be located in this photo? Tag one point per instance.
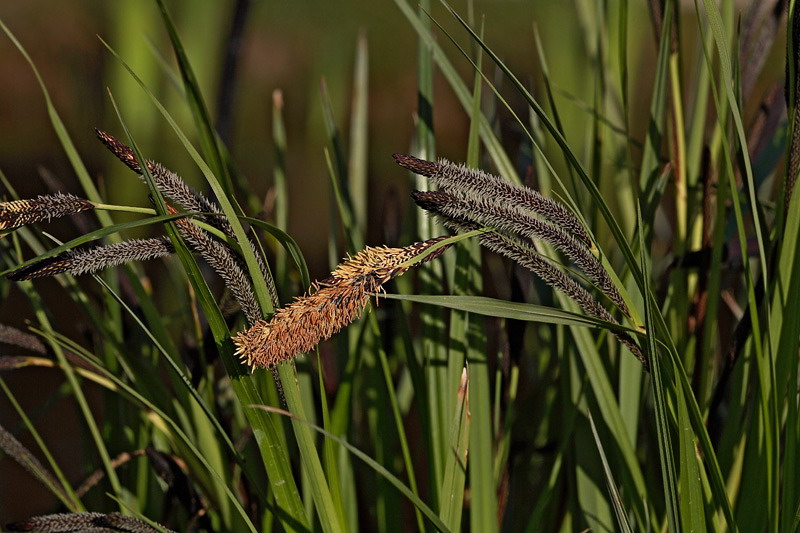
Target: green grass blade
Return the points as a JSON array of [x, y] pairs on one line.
[[468, 331], [616, 499], [61, 131], [421, 26], [274, 457], [504, 309], [205, 130], [357, 162], [455, 470], [662, 404], [280, 183], [380, 469]]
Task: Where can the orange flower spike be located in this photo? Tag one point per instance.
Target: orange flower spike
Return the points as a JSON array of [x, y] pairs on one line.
[[334, 303]]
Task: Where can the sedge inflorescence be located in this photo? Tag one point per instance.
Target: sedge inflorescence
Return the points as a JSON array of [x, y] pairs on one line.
[[330, 305], [42, 208], [468, 199]]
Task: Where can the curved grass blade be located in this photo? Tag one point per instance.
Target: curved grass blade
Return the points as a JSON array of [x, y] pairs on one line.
[[380, 469], [594, 192], [61, 131], [661, 389], [616, 499], [247, 393], [483, 305], [92, 236], [288, 243], [60, 487], [205, 131], [455, 468]]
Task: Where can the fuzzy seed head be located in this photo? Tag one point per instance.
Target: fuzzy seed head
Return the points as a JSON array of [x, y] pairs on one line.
[[331, 305], [22, 212], [79, 262]]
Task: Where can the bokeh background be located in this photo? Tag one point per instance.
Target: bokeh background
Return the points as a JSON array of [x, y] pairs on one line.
[[292, 47]]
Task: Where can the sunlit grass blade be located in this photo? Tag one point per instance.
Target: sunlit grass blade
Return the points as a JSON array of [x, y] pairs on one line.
[[280, 184], [616, 500], [663, 406], [205, 130], [455, 470], [692, 502], [380, 469], [357, 161], [504, 309], [469, 331], [275, 460]]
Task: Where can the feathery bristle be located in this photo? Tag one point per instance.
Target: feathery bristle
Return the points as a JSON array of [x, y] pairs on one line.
[[45, 207], [470, 183], [16, 337], [515, 250], [336, 301], [515, 221], [94, 522], [175, 189], [79, 262]]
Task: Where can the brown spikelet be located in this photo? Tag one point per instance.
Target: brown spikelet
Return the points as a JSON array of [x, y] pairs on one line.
[[21, 212], [16, 337], [472, 184], [335, 302], [174, 188], [84, 522], [79, 262], [515, 250], [17, 451]]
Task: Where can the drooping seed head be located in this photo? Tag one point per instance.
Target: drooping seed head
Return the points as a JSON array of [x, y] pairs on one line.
[[79, 262], [334, 303], [472, 184], [45, 207]]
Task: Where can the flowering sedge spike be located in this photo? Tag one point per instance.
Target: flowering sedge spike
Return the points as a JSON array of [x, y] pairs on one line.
[[515, 250], [174, 188], [334, 303], [17, 451], [16, 337], [470, 183], [490, 214], [95, 522], [223, 261], [79, 262], [169, 183], [22, 212]]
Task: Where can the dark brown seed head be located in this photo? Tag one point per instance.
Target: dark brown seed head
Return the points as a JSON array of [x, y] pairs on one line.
[[416, 165], [120, 150], [22, 212], [430, 200]]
